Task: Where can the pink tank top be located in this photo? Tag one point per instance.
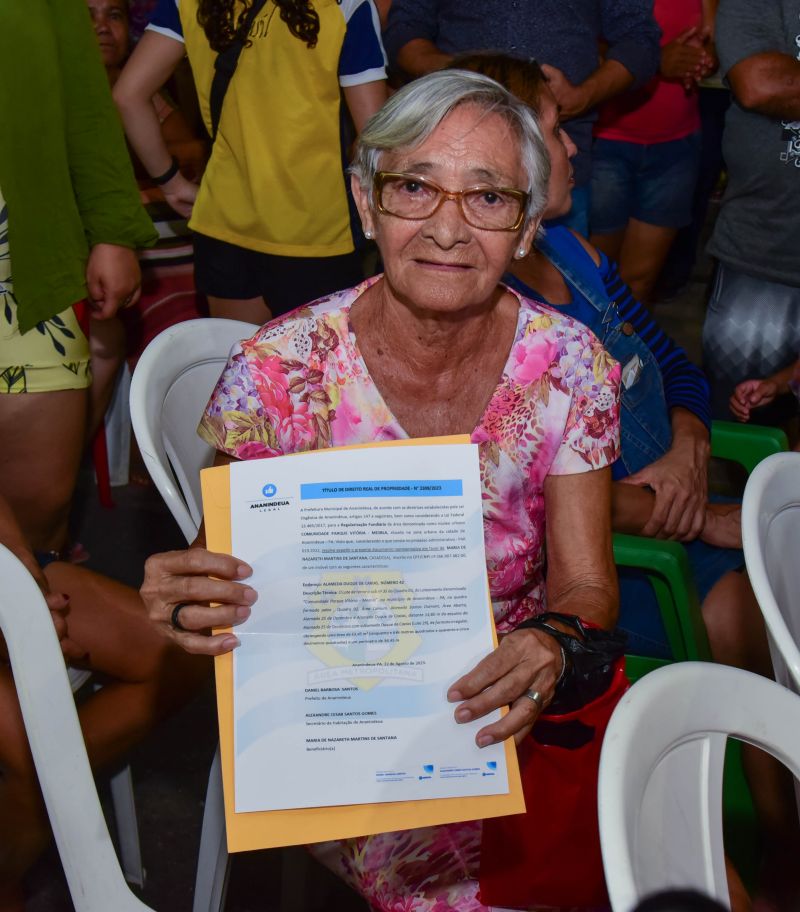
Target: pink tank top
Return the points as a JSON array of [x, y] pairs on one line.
[[660, 110]]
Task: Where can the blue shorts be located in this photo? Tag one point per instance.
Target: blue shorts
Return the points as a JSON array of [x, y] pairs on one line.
[[639, 616], [651, 183]]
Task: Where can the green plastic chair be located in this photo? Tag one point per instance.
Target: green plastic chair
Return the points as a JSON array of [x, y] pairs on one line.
[[668, 572], [666, 565]]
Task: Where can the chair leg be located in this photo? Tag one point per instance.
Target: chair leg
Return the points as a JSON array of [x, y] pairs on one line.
[[211, 883], [127, 826]]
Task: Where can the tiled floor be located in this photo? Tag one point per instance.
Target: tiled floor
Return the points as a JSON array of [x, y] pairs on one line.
[[170, 770]]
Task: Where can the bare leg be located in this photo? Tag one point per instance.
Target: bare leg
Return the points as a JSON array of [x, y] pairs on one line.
[[43, 437], [737, 637], [107, 347], [610, 244], [149, 676], [642, 257], [251, 310]]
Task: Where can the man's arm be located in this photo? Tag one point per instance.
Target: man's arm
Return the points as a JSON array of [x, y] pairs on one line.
[[768, 84], [420, 57], [608, 80], [410, 37], [631, 58], [757, 60]]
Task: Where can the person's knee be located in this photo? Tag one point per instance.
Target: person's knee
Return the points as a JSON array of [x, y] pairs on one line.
[[735, 626]]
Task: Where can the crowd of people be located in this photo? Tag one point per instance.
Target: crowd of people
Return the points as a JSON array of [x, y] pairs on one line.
[[447, 218]]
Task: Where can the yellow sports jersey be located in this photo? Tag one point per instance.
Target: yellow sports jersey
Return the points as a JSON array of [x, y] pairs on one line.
[[275, 180]]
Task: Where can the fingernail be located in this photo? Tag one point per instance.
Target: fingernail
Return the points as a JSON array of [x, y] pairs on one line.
[[484, 740], [250, 595], [242, 613], [230, 642], [463, 715], [243, 570], [454, 696]]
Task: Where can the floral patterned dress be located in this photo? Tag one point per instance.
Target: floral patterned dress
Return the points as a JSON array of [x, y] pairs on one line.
[[300, 383]]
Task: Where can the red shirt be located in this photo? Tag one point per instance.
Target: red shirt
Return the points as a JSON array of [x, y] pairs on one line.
[[660, 110]]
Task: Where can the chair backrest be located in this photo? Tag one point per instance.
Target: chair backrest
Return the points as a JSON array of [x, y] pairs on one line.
[[660, 786], [169, 390], [771, 540], [90, 864]]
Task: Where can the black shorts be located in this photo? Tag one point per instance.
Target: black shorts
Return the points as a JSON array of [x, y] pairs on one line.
[[226, 270]]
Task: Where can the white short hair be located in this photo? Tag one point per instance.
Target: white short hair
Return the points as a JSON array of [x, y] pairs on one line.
[[410, 116]]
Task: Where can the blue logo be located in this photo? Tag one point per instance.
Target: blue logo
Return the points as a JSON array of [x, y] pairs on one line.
[[269, 490], [428, 767], [491, 764]]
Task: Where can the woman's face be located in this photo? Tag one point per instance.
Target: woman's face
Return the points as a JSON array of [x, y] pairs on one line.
[[441, 263], [110, 20], [561, 149]]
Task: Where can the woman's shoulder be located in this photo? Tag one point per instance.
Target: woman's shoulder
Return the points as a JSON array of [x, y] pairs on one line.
[[325, 317], [544, 317]]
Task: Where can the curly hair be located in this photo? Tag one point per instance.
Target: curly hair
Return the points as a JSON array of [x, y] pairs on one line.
[[222, 26]]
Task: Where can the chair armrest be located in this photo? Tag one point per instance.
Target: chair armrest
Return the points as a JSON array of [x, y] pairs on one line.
[[746, 444], [670, 575]]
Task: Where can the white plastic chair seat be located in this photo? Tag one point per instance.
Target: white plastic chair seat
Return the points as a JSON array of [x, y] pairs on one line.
[[660, 785]]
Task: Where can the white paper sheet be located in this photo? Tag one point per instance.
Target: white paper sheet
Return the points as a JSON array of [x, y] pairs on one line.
[[373, 599]]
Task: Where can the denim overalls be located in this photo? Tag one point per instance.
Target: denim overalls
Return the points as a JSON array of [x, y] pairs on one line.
[[646, 433]]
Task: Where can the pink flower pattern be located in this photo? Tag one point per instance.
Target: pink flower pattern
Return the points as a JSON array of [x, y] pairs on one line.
[[300, 383]]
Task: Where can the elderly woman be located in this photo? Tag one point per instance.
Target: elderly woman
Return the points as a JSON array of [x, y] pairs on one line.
[[450, 179]]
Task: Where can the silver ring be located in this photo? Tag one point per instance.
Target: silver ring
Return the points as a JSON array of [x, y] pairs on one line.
[[535, 696]]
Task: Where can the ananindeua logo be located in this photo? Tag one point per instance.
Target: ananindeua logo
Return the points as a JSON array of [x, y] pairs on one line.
[[269, 490]]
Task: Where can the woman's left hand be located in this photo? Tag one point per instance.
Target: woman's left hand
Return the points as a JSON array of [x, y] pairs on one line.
[[680, 482], [525, 660]]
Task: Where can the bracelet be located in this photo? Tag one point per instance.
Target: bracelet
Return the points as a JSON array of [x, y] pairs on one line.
[[173, 169], [590, 657]]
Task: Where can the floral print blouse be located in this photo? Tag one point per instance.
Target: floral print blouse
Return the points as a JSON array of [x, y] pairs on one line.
[[300, 383]]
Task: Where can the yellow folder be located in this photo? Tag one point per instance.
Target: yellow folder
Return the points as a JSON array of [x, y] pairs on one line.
[[265, 829]]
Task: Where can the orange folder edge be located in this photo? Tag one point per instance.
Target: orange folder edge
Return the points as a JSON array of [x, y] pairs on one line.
[[268, 829]]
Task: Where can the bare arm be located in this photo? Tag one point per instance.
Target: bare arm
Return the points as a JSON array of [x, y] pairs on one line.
[[364, 100], [679, 480], [608, 80], [768, 84], [581, 580], [581, 577], [420, 57], [150, 65]]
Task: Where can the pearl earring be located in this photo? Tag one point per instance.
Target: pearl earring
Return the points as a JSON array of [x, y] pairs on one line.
[[368, 235], [522, 252]]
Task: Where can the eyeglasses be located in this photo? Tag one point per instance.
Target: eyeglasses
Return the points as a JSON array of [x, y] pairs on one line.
[[407, 196]]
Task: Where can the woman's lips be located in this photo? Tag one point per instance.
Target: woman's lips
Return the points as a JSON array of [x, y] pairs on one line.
[[445, 267]]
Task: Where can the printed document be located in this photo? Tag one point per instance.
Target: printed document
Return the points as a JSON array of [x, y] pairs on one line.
[[373, 599]]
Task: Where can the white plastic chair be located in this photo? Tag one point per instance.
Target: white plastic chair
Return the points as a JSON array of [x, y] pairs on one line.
[[94, 876], [660, 785], [169, 390], [771, 538]]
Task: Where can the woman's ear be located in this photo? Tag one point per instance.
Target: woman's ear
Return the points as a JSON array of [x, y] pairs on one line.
[[527, 238], [361, 197]]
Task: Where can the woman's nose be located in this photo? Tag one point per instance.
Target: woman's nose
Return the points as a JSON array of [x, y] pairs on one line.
[[447, 225]]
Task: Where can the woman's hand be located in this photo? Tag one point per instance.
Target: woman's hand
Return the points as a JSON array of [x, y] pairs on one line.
[[525, 660], [112, 279], [723, 526], [183, 578], [180, 193], [679, 480]]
